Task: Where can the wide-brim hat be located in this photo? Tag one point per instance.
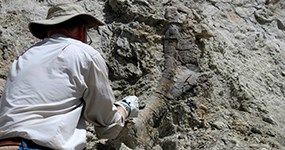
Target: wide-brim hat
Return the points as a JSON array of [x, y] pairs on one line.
[[59, 14]]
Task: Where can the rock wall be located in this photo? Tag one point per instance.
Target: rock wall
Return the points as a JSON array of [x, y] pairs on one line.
[[210, 73]]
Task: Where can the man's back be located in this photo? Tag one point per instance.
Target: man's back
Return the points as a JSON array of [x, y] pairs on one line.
[[43, 93]]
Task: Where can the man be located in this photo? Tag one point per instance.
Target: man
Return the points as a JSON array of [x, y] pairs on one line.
[[57, 85]]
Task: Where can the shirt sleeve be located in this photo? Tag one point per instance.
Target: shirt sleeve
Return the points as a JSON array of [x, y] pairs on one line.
[[99, 101]]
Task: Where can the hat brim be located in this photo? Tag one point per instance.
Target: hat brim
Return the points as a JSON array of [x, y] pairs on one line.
[[40, 28]]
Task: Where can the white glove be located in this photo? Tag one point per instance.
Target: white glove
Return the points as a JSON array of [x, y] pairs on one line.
[[131, 105]]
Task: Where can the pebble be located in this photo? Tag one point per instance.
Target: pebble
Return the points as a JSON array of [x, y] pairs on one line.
[[268, 119]]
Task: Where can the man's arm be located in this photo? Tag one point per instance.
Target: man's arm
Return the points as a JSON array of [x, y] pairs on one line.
[[122, 111], [99, 101]]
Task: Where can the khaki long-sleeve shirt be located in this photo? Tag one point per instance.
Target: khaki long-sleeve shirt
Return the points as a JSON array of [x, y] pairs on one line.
[[52, 89]]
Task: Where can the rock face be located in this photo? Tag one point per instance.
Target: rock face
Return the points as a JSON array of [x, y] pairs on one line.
[[210, 72]]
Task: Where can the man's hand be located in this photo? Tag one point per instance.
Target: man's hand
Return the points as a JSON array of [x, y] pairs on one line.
[[131, 106]]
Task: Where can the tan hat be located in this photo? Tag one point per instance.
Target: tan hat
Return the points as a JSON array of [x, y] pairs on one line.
[[59, 14]]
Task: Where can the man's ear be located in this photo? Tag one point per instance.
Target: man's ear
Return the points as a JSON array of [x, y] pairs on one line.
[[81, 33]]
